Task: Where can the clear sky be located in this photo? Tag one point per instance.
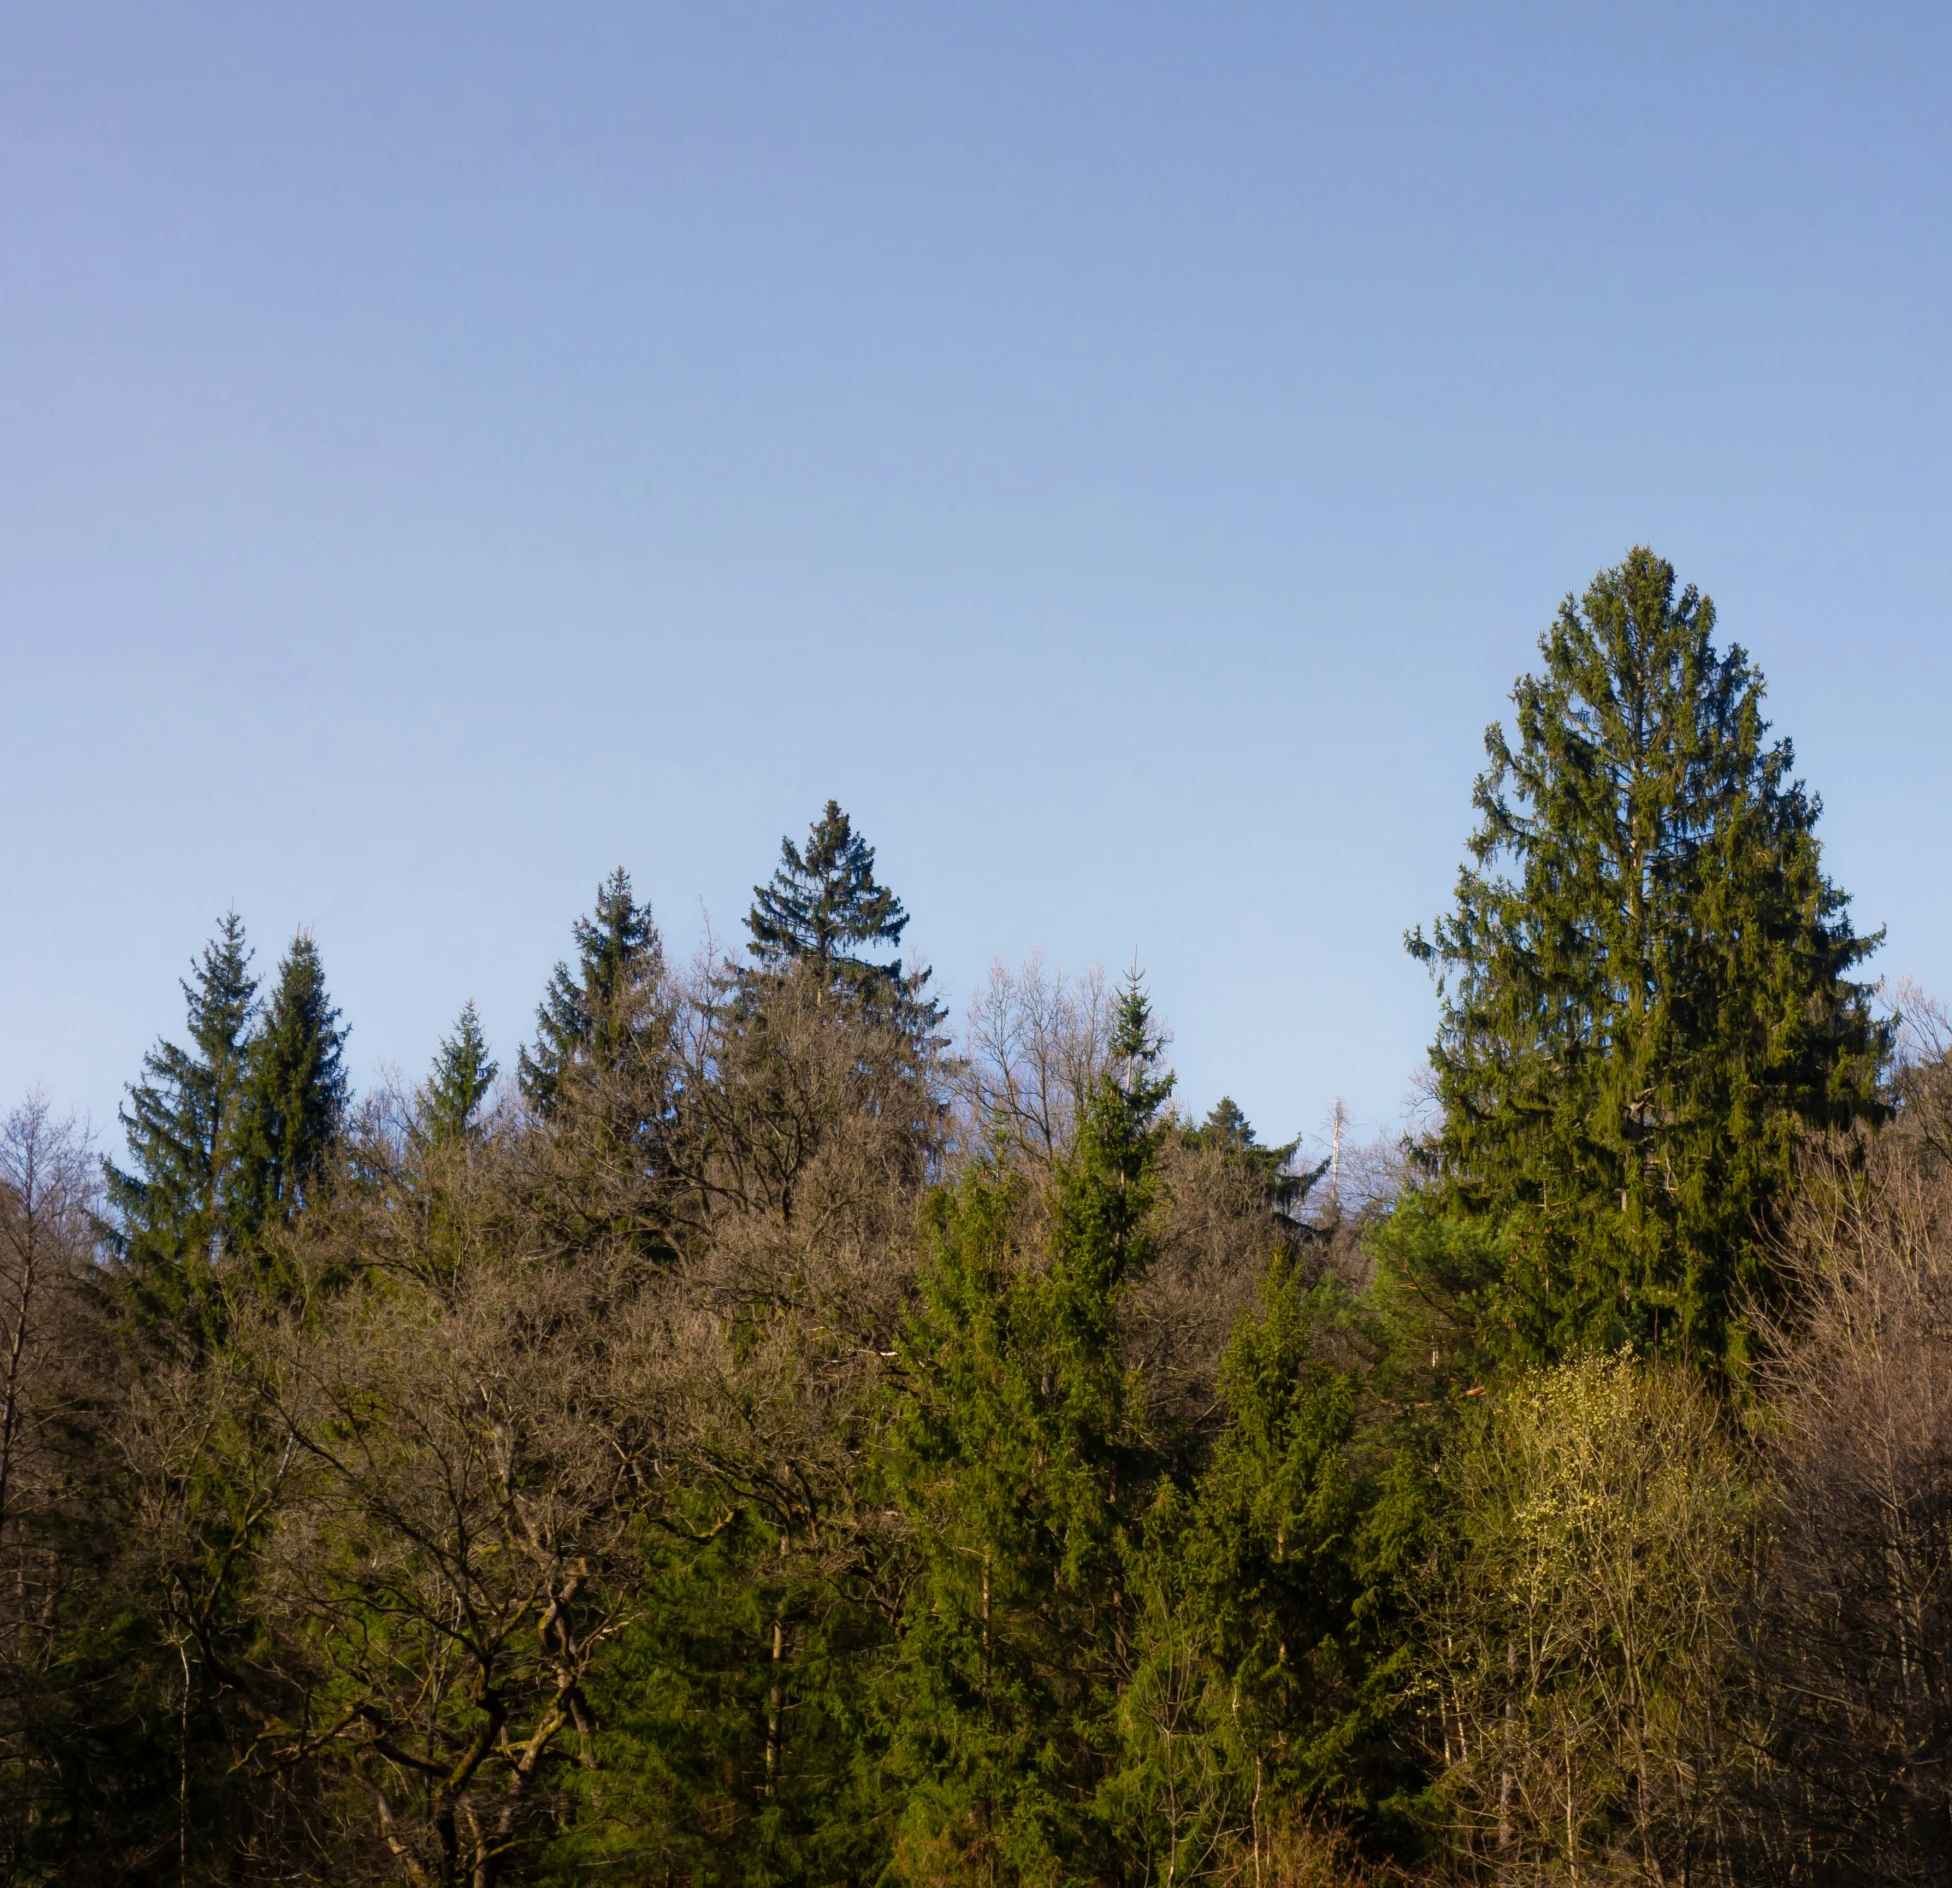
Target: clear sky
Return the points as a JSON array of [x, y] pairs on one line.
[[1123, 452]]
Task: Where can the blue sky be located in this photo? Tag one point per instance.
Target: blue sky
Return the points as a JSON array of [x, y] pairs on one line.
[[1123, 453]]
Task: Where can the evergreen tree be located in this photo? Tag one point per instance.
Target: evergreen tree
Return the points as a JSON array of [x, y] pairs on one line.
[[1645, 979], [1290, 1569], [462, 1075], [589, 1016], [1020, 1458], [294, 1094], [1283, 1185], [1106, 1192], [185, 1120], [823, 904]]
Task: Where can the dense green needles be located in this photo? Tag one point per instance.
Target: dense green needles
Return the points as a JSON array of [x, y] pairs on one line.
[[1646, 981]]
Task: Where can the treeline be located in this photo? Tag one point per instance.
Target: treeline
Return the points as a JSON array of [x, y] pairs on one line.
[[767, 1436]]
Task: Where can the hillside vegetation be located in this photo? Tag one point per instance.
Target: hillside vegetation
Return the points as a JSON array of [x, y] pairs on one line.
[[770, 1435]]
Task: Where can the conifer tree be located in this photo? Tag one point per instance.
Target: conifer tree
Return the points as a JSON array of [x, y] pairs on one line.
[[1646, 981], [1283, 1185], [172, 1208], [1019, 1455], [823, 906], [1288, 1570], [589, 1015], [823, 902], [294, 1093], [462, 1075], [1106, 1192]]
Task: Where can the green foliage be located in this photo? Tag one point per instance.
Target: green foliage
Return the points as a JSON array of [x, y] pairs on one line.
[[1642, 1017], [1289, 1565], [823, 908], [294, 1094], [588, 1017], [459, 1082], [1099, 1241], [1437, 1304], [174, 1208], [823, 903], [999, 1688], [737, 1721], [1020, 1458], [226, 1138], [1269, 1549]]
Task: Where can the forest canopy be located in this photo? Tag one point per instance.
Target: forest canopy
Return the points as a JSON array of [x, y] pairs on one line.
[[759, 1430]]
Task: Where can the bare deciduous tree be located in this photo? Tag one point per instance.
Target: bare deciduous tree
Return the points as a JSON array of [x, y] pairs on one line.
[[1214, 1234], [1854, 1638], [451, 1547], [46, 1193], [1036, 1042], [56, 1374]]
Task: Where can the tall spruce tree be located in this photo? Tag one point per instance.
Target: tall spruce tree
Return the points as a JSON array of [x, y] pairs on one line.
[[173, 1208], [462, 1075], [823, 905], [1018, 1454], [1645, 982], [294, 1094], [589, 1016]]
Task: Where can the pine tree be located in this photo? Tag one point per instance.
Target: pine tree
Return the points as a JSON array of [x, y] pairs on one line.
[[589, 1016], [172, 1208], [1283, 1185], [294, 1094], [462, 1075], [823, 905], [1020, 1459], [1645, 980]]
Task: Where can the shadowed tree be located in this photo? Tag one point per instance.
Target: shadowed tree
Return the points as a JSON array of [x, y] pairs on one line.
[[823, 903], [586, 1017], [1853, 1639], [294, 1093], [185, 1121]]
